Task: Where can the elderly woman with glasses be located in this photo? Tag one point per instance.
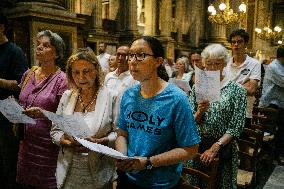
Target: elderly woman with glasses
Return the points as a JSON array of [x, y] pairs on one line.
[[156, 125], [220, 123], [90, 99]]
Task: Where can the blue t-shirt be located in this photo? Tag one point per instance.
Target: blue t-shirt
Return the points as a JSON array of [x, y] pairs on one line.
[[156, 125]]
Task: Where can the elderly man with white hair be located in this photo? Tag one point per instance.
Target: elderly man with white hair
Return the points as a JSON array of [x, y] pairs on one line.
[[220, 123]]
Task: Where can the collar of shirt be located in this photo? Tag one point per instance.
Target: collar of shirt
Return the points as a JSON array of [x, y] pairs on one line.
[[241, 65], [126, 73]]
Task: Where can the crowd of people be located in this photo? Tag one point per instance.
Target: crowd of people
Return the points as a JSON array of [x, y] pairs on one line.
[[128, 105]]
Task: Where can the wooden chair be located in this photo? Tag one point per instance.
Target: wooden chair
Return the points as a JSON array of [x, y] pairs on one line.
[[265, 119], [249, 149], [207, 176]]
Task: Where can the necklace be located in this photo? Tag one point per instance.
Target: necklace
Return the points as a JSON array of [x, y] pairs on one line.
[[85, 108]]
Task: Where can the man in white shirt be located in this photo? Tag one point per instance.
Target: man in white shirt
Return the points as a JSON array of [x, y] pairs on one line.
[[103, 57], [243, 69], [120, 79]]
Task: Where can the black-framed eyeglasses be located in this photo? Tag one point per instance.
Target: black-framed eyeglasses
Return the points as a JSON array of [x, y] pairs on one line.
[[237, 41], [138, 56]]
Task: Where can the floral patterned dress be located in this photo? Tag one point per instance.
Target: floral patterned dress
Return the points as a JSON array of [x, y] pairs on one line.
[[226, 116]]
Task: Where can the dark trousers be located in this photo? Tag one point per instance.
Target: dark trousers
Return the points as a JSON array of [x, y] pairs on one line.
[[124, 183], [9, 146]]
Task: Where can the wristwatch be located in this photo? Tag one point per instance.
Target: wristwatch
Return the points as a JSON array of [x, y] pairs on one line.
[[220, 143], [149, 164]]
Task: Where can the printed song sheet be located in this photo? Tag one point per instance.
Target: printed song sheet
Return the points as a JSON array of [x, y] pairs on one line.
[[13, 111], [102, 149], [184, 85], [207, 85], [73, 125]]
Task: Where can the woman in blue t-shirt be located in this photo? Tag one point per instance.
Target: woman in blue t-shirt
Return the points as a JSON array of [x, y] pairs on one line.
[[156, 124]]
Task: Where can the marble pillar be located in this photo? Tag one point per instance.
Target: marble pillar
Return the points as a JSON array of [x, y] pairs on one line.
[[217, 34], [165, 18], [165, 25], [32, 16], [151, 9], [128, 21], [97, 16], [131, 17], [70, 5], [179, 21], [113, 8]]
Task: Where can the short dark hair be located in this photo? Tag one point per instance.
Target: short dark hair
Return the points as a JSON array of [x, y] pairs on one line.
[[280, 52], [4, 21], [196, 51], [240, 32]]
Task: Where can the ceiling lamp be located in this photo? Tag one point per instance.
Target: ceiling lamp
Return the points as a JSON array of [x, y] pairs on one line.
[[266, 33], [226, 15]]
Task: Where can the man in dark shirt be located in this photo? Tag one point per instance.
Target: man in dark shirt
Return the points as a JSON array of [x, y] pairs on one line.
[[13, 64]]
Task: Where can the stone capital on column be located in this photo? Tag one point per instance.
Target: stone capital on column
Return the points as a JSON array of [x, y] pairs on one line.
[[217, 34], [97, 16], [165, 18], [151, 17], [131, 16]]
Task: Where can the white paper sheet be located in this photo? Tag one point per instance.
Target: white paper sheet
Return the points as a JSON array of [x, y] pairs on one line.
[[184, 85], [102, 149], [207, 85], [73, 125], [10, 108]]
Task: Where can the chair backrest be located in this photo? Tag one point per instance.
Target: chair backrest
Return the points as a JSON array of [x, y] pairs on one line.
[[250, 144], [265, 119], [206, 175]]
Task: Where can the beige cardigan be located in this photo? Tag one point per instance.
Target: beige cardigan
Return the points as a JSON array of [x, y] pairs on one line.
[[102, 168]]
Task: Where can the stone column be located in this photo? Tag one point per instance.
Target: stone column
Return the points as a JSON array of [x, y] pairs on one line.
[[202, 14], [217, 34], [179, 24], [70, 5], [128, 21], [165, 18], [113, 8], [165, 26], [131, 17], [97, 16], [151, 17]]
